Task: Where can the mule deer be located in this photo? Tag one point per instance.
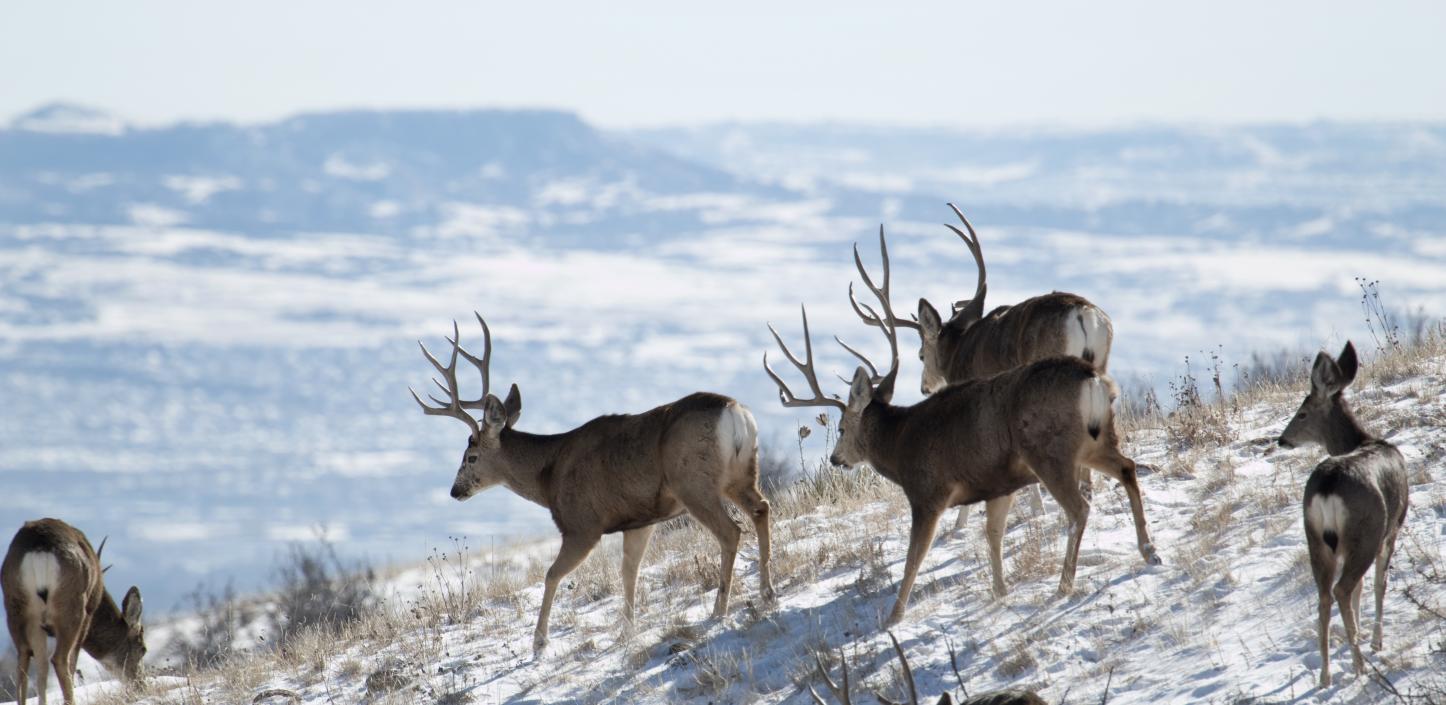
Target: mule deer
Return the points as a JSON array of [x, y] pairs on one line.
[[53, 587], [972, 345], [977, 442], [621, 473], [1354, 505], [840, 692]]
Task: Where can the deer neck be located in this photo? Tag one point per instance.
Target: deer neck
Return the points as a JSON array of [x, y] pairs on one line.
[[108, 630], [1343, 433], [528, 463], [880, 424]]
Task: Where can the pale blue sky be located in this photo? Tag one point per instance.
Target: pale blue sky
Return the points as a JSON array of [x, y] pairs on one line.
[[664, 62]]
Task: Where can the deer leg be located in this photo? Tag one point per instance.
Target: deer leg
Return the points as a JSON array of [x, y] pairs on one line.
[[20, 638], [1383, 564], [996, 512], [751, 501], [575, 548], [1323, 569], [714, 516], [1062, 481], [635, 544], [1111, 462], [921, 535], [959, 519], [1347, 594]]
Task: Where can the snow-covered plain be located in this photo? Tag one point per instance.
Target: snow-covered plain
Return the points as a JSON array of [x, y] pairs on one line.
[[1228, 617]]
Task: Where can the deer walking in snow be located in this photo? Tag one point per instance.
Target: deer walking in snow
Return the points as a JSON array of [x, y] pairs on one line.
[[1354, 505], [977, 442], [972, 345], [53, 587], [621, 473]]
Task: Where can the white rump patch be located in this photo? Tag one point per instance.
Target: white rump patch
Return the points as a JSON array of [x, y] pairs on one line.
[[1327, 513], [39, 570], [1087, 336], [737, 432], [1094, 405]]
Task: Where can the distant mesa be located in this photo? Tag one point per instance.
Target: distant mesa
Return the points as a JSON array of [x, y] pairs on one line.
[[69, 118]]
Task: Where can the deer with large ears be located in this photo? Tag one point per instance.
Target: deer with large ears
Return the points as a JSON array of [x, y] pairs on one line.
[[1354, 505], [977, 442], [54, 587], [622, 473], [971, 345]]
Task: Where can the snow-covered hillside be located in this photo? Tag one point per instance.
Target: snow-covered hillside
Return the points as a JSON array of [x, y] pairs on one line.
[[1228, 617]]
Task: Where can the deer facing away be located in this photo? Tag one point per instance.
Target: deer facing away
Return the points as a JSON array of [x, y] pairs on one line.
[[621, 473], [1354, 504], [972, 345], [53, 587], [978, 442]]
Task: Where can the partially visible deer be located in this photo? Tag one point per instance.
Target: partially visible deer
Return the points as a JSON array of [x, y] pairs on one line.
[[840, 692], [971, 345], [1354, 505], [621, 473], [977, 442], [53, 587]]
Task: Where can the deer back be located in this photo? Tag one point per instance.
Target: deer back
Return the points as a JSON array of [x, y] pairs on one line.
[[1010, 336], [49, 557], [986, 421], [1367, 487], [625, 471]]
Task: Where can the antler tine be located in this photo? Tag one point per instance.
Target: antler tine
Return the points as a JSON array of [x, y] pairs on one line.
[[872, 318], [482, 364], [908, 673], [972, 242], [888, 322], [805, 366], [453, 408], [101, 550], [839, 693]]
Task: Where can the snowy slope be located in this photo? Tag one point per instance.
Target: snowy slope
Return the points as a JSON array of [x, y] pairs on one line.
[[1227, 618]]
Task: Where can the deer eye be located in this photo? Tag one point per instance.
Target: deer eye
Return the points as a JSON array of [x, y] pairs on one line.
[[471, 458], [1301, 415]]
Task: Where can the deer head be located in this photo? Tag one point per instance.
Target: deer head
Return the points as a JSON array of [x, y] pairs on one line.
[[1324, 417], [481, 465]]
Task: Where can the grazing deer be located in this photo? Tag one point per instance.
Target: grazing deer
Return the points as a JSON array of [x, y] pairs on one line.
[[621, 473], [53, 587], [971, 345], [1354, 505], [977, 442], [840, 691]]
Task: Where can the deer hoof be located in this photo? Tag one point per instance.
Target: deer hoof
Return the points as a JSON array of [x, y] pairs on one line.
[[1152, 557], [539, 647]]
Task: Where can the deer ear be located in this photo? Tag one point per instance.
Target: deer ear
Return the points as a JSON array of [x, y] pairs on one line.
[[1348, 364], [513, 405], [1325, 374], [131, 606], [494, 415], [860, 391], [929, 321]]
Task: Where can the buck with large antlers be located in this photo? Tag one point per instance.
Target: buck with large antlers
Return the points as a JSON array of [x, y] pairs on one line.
[[53, 587], [972, 345], [1354, 505], [977, 442], [622, 473]]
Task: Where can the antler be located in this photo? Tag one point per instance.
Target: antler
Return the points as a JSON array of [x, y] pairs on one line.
[[456, 406], [971, 241], [840, 694], [866, 313], [908, 676], [786, 395], [888, 322]]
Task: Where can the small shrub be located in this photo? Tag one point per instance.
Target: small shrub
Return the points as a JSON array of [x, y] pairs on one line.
[[318, 591]]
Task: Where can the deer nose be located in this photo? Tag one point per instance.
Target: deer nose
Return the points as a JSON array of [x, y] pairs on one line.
[[1284, 443], [458, 492]]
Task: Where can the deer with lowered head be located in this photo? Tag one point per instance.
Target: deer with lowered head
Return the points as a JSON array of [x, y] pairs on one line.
[[620, 473], [53, 586], [1354, 505], [979, 441], [972, 345]]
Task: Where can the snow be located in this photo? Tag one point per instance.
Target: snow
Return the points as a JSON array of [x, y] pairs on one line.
[[1229, 616]]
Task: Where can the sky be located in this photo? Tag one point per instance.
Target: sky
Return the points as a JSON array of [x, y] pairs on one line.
[[662, 62]]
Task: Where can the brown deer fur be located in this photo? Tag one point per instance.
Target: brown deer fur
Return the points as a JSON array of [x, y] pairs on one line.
[[53, 587]]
